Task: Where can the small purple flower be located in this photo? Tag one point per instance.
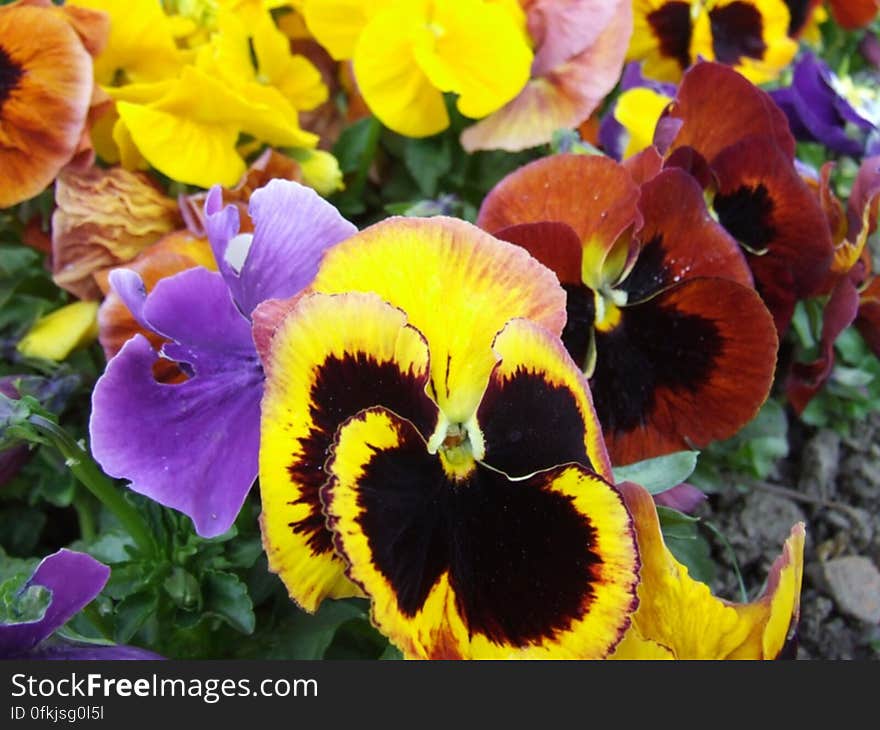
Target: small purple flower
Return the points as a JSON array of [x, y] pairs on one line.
[[193, 446], [73, 579], [612, 134], [821, 107]]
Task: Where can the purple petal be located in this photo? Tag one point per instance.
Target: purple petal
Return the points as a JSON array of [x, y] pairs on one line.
[[191, 446], [130, 288], [74, 579], [193, 308], [293, 226], [93, 652], [612, 135], [632, 77], [683, 497]]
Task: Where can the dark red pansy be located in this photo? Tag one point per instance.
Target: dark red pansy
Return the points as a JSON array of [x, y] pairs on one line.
[[765, 205], [679, 348], [718, 107]]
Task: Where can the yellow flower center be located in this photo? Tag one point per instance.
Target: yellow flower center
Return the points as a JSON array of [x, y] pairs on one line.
[[608, 303]]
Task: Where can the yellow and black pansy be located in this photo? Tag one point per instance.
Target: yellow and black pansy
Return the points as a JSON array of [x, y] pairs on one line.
[[428, 442], [750, 35]]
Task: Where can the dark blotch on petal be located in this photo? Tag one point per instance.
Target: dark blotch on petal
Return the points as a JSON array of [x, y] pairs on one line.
[[342, 388], [530, 424], [736, 32], [672, 26], [580, 307], [10, 75], [746, 214], [799, 11], [521, 560], [652, 348], [649, 274]]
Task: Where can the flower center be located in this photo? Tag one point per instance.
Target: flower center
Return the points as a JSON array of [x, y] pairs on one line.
[[608, 304]]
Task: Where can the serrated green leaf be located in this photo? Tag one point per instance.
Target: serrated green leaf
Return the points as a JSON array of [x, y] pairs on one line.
[[226, 596], [183, 588], [427, 160], [132, 612], [659, 474]]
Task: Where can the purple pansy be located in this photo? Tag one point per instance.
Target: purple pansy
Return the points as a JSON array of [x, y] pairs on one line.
[[820, 108], [193, 446], [73, 579], [612, 134]]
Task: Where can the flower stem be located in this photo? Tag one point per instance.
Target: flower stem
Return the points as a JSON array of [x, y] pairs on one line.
[[84, 517], [92, 478]]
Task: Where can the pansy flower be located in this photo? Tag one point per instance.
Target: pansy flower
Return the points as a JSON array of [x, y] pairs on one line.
[[205, 430], [679, 618], [737, 143], [62, 584], [427, 441], [839, 113], [406, 54], [579, 50], [45, 91], [662, 316], [851, 290], [751, 35]]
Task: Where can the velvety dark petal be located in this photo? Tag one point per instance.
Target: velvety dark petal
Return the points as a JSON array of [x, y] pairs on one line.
[[672, 27], [737, 31], [807, 379], [800, 11], [578, 333], [484, 567], [320, 372], [719, 107], [680, 240], [691, 365], [767, 207], [537, 411], [74, 579], [554, 244], [293, 226]]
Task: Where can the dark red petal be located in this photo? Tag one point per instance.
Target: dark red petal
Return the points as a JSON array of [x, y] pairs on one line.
[[865, 189], [685, 368], [555, 245], [868, 321], [719, 107], [767, 207], [592, 194], [807, 379], [644, 165], [680, 240], [852, 14]]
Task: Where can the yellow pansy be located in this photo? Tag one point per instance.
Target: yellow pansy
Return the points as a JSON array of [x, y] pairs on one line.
[[638, 110], [57, 334], [750, 35], [188, 130], [408, 53], [141, 46]]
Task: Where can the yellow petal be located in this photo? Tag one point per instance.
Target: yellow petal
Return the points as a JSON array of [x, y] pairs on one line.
[[320, 372], [192, 152], [141, 43], [475, 50], [56, 335], [638, 110], [301, 83], [679, 613], [395, 89], [337, 24], [457, 284]]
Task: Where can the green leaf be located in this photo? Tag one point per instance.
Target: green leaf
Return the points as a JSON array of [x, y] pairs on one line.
[[21, 528], [352, 149], [685, 541], [659, 474], [183, 588], [356, 639], [226, 596], [19, 604], [427, 160], [132, 612], [676, 524], [305, 636]]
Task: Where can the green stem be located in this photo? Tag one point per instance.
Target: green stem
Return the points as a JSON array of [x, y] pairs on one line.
[[98, 621], [84, 515], [724, 541], [90, 475]]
